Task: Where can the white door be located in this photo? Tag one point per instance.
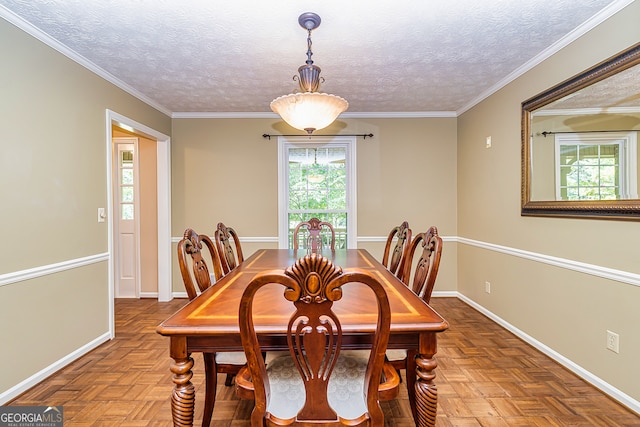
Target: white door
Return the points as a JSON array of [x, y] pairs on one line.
[[126, 210]]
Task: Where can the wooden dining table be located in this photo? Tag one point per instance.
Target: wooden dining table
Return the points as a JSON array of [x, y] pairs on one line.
[[209, 323]]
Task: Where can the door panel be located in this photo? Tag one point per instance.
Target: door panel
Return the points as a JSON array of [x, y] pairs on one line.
[[126, 206]]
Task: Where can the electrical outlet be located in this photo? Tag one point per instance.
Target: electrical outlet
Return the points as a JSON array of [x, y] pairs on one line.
[[613, 342], [487, 287]]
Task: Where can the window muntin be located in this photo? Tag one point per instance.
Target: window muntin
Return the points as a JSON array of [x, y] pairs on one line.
[[316, 178], [126, 184], [599, 166], [317, 188]]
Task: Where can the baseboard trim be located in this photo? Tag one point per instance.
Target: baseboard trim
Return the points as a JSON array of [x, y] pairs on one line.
[[596, 381], [180, 295], [444, 294], [36, 378], [149, 295]]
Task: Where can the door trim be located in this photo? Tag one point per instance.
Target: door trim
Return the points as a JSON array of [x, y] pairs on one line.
[[164, 205]]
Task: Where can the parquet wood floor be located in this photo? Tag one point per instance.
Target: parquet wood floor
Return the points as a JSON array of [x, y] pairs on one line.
[[486, 377]]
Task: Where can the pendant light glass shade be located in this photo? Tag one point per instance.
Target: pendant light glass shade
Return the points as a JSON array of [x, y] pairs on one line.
[[309, 111]]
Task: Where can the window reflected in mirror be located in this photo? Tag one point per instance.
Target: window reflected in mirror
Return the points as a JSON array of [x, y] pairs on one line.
[[585, 166], [579, 143]]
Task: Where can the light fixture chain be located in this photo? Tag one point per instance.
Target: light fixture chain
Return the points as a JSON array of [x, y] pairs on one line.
[[309, 53]]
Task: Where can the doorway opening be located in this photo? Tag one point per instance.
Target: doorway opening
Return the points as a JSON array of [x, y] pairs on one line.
[[157, 253]]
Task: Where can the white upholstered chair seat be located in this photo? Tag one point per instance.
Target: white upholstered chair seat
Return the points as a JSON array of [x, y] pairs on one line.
[[395, 354], [231, 358], [345, 389]]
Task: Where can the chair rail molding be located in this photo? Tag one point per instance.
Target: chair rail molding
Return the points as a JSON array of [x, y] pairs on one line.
[[32, 273], [582, 267]]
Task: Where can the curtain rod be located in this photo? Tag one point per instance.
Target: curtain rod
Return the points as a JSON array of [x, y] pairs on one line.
[[545, 133], [363, 135]]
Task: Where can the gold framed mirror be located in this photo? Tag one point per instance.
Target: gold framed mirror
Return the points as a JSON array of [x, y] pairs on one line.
[[579, 144]]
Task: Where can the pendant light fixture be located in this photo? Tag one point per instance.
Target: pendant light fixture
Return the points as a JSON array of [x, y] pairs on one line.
[[309, 110], [315, 174]]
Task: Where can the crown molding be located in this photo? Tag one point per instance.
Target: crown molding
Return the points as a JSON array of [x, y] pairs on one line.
[[224, 115], [348, 115]]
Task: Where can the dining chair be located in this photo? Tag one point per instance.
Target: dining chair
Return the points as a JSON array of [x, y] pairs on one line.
[[394, 260], [316, 383], [197, 278], [317, 232], [427, 266], [228, 258], [421, 283]]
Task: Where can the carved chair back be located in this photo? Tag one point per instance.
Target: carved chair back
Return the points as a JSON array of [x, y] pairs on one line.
[[426, 269], [317, 232], [395, 254], [314, 337], [228, 258], [193, 266]]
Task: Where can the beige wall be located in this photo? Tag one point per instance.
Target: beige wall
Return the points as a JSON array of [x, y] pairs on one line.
[[53, 180], [567, 311], [147, 150], [224, 170]]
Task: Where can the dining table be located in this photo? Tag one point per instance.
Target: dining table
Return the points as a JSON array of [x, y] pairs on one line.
[[209, 323]]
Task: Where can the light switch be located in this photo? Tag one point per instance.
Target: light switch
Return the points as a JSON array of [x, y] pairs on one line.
[[488, 142], [101, 215]]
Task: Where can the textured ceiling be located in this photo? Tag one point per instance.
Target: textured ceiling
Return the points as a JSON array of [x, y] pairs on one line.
[[401, 56], [615, 93]]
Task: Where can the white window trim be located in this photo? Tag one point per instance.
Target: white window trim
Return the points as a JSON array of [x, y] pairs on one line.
[[629, 155], [283, 179]]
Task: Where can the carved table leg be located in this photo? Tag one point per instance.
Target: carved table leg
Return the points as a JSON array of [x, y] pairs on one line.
[[426, 392], [184, 394]]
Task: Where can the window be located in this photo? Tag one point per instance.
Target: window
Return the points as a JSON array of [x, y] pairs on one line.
[[126, 186], [596, 166], [317, 179]]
